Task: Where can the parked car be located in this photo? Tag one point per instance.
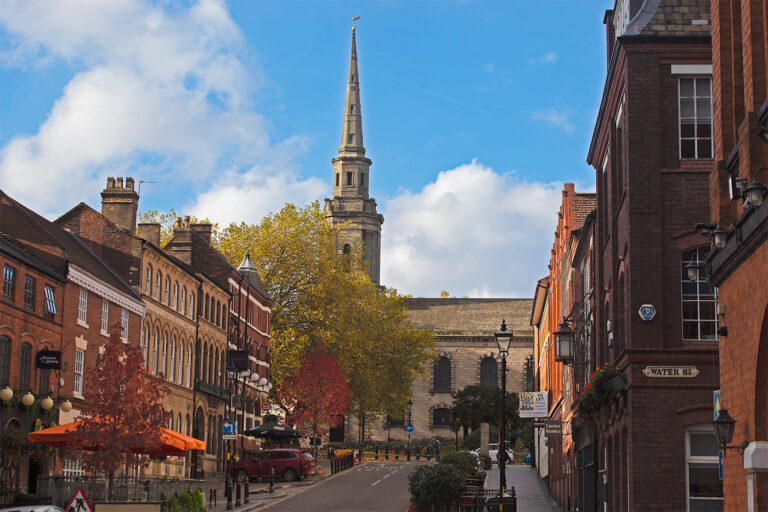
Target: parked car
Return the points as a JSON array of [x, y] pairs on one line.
[[493, 452], [289, 464], [33, 508]]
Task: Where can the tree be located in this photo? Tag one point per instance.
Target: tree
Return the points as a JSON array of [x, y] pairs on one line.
[[481, 404], [124, 416], [318, 394], [167, 221], [324, 297]]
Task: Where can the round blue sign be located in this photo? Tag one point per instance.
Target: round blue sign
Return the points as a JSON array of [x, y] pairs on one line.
[[409, 428]]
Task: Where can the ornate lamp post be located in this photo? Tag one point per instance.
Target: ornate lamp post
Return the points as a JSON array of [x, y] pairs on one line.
[[503, 339], [410, 405]]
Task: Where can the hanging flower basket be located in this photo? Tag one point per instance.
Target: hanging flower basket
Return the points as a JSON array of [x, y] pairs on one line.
[[597, 395]]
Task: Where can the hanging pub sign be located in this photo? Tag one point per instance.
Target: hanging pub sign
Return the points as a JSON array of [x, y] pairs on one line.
[[48, 360], [553, 428], [239, 359]]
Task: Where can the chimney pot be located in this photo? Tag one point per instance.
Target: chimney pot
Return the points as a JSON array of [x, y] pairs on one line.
[[129, 182], [120, 182], [110, 182]]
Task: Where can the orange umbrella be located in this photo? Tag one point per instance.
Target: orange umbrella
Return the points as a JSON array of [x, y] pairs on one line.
[[171, 443]]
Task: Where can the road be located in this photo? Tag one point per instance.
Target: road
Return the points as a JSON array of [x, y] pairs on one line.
[[369, 487]]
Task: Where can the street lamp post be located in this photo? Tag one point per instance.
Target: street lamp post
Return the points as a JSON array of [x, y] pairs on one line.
[[503, 339], [231, 374], [410, 405]]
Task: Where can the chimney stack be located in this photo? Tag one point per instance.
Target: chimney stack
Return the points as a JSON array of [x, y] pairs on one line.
[[182, 241], [204, 229], [150, 231], [120, 203]]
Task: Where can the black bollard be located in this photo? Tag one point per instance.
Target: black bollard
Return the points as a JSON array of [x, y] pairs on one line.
[[429, 453], [386, 452], [376, 453], [418, 452], [238, 500], [397, 453], [272, 481], [246, 492]]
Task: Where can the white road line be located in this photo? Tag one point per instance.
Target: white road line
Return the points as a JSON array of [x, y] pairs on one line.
[[376, 482]]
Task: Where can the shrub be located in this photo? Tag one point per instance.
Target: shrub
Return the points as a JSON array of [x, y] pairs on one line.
[[435, 486], [185, 502], [465, 461]]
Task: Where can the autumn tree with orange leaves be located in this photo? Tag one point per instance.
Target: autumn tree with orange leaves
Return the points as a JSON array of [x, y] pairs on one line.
[[124, 415], [318, 394]]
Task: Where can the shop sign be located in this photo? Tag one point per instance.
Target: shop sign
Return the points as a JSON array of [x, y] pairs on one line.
[[533, 404], [266, 407], [553, 428], [539, 423], [48, 360], [671, 371]]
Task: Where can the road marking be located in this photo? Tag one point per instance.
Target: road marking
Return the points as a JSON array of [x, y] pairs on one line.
[[385, 476], [376, 482]]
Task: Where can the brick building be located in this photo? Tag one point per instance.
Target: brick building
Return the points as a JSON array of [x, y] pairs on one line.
[[738, 269], [561, 303], [652, 150], [541, 342], [57, 295]]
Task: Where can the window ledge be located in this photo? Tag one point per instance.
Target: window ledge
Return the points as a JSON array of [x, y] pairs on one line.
[[82, 324], [105, 334], [77, 395]]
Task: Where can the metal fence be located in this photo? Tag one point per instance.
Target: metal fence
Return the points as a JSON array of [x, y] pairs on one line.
[[59, 489]]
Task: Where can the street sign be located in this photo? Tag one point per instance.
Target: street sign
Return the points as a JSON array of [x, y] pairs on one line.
[[78, 503], [266, 407], [533, 404], [720, 464], [647, 312], [716, 401], [409, 428], [553, 428], [229, 428], [539, 423]]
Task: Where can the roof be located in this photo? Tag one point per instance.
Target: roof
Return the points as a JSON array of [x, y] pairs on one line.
[[76, 252], [470, 317], [9, 246]]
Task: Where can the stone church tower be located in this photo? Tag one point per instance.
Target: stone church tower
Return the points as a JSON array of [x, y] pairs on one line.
[[351, 203]]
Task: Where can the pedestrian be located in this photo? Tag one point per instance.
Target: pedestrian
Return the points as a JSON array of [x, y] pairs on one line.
[[215, 491], [436, 449]]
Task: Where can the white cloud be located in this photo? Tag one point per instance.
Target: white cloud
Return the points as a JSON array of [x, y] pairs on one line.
[[547, 58], [490, 67], [555, 117], [472, 232], [161, 91]]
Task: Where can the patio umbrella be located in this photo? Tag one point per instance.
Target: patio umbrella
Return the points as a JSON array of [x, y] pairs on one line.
[[273, 429], [171, 443]]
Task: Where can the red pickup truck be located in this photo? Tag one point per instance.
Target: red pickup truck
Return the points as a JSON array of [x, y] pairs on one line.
[[289, 464]]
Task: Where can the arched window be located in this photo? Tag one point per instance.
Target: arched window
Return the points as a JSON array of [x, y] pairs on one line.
[[222, 366], [205, 363], [148, 280], [175, 303], [180, 366], [178, 423], [441, 417], [188, 383], [218, 313], [210, 365], [443, 375], [224, 316], [158, 284], [5, 360], [183, 309], [170, 420], [145, 345], [25, 367], [216, 367], [488, 372], [155, 343], [191, 305], [172, 360], [186, 425], [205, 313], [164, 359], [167, 291]]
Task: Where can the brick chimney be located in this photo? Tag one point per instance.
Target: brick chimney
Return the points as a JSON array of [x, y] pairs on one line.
[[150, 231], [204, 229], [181, 246], [120, 203]]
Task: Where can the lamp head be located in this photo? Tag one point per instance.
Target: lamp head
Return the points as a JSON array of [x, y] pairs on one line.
[[693, 269], [28, 399], [263, 381], [563, 342], [46, 403], [724, 426], [66, 406], [6, 393], [720, 236], [503, 338]]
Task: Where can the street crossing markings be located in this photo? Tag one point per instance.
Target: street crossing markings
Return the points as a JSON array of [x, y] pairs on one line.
[[376, 482]]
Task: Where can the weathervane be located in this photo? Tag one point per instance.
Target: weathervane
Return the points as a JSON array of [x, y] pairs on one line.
[[354, 19]]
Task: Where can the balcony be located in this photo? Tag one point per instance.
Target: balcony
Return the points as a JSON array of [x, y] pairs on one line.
[[212, 390]]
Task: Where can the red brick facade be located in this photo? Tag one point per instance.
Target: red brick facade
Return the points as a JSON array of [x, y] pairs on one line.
[[740, 75]]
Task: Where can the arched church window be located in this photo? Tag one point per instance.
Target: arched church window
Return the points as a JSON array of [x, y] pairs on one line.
[[441, 417], [488, 372], [443, 375], [349, 174]]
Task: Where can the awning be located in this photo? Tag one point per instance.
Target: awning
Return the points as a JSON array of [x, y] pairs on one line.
[[171, 443]]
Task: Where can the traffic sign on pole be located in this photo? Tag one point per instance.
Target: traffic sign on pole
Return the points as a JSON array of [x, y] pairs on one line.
[[409, 428]]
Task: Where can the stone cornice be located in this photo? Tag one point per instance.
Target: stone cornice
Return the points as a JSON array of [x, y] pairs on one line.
[[86, 280]]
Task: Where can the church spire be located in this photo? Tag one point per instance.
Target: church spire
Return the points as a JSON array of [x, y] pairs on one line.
[[352, 127]]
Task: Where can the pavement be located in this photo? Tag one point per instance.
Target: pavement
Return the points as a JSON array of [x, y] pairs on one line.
[[532, 495], [259, 495]]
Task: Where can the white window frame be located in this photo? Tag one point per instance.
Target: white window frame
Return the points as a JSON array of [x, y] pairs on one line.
[[124, 323], [167, 290], [164, 359], [71, 468], [183, 310], [104, 316], [148, 280], [158, 284], [191, 305], [82, 307], [155, 344], [145, 345], [172, 360], [180, 366], [689, 459], [189, 366], [695, 119], [701, 255], [175, 305], [77, 382]]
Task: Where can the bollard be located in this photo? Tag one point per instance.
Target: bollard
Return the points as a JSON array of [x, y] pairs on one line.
[[397, 453], [258, 469], [246, 491], [376, 453], [272, 481], [386, 452], [228, 494], [418, 452], [238, 501], [429, 453]]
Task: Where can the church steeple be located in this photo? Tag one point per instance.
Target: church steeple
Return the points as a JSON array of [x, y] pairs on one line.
[[350, 204], [352, 126]]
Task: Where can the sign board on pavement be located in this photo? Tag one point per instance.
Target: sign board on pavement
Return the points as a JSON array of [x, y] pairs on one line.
[[553, 428], [79, 503], [533, 404]]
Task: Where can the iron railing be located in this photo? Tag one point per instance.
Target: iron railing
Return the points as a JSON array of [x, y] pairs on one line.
[[59, 489]]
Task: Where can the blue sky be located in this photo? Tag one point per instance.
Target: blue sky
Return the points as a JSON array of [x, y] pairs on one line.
[[474, 114]]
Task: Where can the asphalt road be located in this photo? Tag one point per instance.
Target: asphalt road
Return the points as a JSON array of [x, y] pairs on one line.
[[369, 487]]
